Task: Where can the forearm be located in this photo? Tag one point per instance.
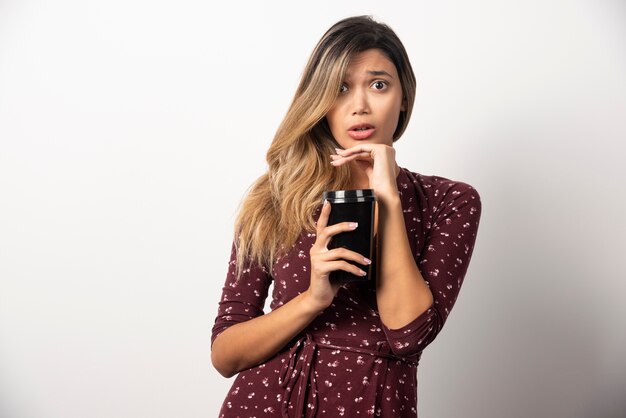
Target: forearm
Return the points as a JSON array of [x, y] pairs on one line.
[[249, 343], [402, 294]]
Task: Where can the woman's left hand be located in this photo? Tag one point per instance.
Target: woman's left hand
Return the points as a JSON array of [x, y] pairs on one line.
[[379, 163]]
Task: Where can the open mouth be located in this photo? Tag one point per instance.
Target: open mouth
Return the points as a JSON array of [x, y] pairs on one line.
[[361, 131], [361, 127]]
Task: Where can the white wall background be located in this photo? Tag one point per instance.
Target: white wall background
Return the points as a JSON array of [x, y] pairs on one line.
[[129, 131]]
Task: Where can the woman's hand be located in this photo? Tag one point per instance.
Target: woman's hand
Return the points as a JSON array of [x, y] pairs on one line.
[[321, 291], [379, 163]]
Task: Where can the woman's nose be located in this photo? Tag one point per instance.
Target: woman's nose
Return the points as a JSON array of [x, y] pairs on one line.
[[360, 103]]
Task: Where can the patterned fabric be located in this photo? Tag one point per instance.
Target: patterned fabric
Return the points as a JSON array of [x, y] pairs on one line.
[[347, 362]]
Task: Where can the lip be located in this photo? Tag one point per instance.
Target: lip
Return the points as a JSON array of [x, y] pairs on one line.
[[366, 130]]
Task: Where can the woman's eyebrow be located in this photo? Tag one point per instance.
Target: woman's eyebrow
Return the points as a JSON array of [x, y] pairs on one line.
[[375, 73], [379, 73]]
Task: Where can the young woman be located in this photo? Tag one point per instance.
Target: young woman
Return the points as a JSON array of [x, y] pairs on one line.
[[325, 349]]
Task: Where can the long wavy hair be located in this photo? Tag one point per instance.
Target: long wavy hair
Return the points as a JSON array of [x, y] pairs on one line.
[[281, 203]]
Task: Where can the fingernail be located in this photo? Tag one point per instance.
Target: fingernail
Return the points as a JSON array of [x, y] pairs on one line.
[[362, 273], [337, 150], [353, 225], [367, 260], [325, 203]]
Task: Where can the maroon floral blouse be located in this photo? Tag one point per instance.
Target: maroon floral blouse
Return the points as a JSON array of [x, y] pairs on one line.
[[347, 363]]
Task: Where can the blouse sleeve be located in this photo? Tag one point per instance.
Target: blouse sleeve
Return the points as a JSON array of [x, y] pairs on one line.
[[447, 252], [241, 300]]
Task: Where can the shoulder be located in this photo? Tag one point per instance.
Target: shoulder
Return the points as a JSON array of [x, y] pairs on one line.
[[437, 188]]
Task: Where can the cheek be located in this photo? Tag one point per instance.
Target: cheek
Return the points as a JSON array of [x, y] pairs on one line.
[[333, 120], [392, 111], [396, 103]]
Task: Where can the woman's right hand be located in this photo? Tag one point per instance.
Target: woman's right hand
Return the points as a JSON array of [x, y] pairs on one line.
[[321, 291]]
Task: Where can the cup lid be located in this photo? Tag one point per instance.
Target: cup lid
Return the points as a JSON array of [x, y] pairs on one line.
[[357, 195]]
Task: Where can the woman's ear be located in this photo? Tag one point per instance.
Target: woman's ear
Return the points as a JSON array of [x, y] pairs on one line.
[[403, 107]]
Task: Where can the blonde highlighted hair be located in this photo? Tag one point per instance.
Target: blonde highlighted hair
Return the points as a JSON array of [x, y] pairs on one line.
[[281, 203]]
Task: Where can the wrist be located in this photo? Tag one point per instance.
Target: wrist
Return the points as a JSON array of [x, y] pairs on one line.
[[389, 200], [310, 304]]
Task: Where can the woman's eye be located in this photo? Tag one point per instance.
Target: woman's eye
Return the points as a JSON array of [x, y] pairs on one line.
[[379, 85], [343, 88]]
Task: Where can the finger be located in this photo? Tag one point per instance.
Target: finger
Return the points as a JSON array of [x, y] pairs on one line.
[[345, 254], [356, 148], [339, 162], [345, 266], [363, 155], [338, 159], [353, 151], [325, 235], [343, 160], [363, 148], [322, 221]]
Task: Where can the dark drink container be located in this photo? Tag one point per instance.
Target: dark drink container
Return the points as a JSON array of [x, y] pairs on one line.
[[353, 206]]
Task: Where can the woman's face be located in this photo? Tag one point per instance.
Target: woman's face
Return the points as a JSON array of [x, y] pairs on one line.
[[369, 103]]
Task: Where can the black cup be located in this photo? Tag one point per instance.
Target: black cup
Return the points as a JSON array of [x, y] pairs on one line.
[[353, 206]]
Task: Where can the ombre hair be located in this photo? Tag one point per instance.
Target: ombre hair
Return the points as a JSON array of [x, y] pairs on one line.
[[281, 203]]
